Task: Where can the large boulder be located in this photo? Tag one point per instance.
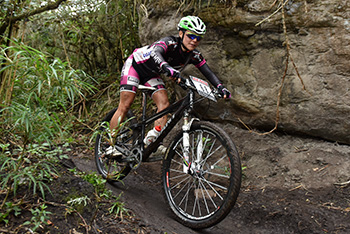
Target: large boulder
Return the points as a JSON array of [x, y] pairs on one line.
[[251, 61]]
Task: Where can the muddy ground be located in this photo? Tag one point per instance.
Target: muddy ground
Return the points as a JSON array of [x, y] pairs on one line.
[[290, 185]]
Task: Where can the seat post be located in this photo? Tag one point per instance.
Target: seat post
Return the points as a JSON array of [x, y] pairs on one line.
[[145, 90]]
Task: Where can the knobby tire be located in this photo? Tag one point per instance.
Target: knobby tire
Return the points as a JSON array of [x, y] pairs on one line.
[[204, 197]]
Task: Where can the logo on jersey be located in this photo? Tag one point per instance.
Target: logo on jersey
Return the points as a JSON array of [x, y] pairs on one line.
[[197, 56], [132, 80], [156, 57], [147, 54]]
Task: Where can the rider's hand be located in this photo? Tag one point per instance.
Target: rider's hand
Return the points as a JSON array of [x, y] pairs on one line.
[[223, 91], [170, 71]]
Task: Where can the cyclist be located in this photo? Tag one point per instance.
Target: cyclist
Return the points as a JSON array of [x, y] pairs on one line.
[[169, 55]]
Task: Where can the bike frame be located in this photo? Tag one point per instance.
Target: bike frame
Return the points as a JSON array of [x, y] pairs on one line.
[[180, 108], [201, 169]]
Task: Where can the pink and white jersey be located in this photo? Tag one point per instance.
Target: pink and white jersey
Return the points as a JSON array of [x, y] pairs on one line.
[[147, 60]]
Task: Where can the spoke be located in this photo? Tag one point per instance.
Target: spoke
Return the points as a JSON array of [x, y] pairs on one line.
[[186, 195], [209, 155], [211, 148], [196, 201], [174, 170], [181, 188], [212, 166], [176, 161], [188, 190], [217, 174], [181, 156], [211, 199], [217, 185], [205, 200], [178, 183], [178, 153], [179, 176]]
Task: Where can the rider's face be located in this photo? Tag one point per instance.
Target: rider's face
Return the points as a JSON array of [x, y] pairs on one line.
[[190, 40]]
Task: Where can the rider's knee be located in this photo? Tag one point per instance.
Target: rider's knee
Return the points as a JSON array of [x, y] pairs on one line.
[[124, 107], [163, 104]]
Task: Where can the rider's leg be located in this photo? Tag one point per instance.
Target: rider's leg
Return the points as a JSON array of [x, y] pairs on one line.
[[161, 99], [128, 85], [126, 99], [129, 82]]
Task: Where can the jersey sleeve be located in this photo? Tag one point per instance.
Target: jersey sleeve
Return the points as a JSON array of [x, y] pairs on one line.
[[199, 61], [159, 50], [210, 75]]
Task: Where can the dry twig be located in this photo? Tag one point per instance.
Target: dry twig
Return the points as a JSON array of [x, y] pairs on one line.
[[343, 184], [274, 13]]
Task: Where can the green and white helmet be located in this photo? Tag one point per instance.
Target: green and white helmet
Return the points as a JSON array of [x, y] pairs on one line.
[[193, 24]]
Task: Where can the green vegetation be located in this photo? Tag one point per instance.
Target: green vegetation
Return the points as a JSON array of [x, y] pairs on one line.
[[40, 91], [102, 194], [40, 216], [58, 59], [55, 66]]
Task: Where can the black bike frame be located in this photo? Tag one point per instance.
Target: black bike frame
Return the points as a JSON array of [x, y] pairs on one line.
[[179, 108]]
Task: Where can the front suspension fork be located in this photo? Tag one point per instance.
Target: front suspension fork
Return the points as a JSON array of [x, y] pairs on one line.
[[186, 142]]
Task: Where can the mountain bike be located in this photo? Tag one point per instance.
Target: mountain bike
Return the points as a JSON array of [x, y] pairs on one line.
[[201, 169]]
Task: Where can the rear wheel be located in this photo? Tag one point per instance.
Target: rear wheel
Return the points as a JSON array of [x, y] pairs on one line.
[[113, 168], [201, 191]]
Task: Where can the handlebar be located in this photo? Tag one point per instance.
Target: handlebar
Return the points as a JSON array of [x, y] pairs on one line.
[[182, 83], [186, 83]]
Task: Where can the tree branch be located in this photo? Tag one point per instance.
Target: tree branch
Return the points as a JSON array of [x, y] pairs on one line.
[[12, 19], [48, 7]]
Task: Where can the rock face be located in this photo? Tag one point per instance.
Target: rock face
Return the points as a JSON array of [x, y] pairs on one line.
[[251, 61]]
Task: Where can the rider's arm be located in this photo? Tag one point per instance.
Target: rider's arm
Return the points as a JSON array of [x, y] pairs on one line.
[[159, 49], [214, 80], [209, 74], [157, 55]]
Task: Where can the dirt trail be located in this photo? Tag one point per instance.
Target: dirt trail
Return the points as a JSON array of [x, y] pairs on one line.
[[289, 186]]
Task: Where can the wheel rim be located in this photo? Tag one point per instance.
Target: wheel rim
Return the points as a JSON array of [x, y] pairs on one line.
[[202, 191]]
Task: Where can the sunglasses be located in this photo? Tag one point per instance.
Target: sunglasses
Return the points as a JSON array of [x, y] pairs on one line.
[[192, 37]]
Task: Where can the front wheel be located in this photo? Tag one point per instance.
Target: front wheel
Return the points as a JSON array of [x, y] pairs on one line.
[[202, 189]]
